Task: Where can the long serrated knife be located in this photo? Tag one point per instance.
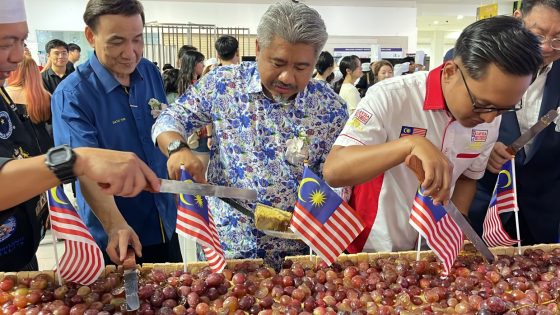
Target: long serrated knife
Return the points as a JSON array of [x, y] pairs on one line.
[[415, 165], [543, 122], [179, 187]]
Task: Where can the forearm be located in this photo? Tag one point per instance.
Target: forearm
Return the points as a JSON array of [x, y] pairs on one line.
[[165, 138], [21, 180], [352, 165], [102, 205], [464, 192]]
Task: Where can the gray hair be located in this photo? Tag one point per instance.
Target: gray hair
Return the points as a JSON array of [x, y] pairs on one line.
[[293, 22]]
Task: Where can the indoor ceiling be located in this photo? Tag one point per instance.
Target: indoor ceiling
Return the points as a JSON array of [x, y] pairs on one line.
[[431, 14]]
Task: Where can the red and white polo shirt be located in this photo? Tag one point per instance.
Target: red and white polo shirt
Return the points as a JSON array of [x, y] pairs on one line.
[[402, 106]]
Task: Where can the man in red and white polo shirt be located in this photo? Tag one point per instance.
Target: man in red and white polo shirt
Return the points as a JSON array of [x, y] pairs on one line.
[[448, 118]]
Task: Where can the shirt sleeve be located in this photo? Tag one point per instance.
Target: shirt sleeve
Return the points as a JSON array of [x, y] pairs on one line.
[[4, 160], [190, 112], [72, 124], [366, 125], [478, 167]]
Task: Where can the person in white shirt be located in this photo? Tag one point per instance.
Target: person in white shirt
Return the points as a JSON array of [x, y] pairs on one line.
[[351, 69], [448, 118]]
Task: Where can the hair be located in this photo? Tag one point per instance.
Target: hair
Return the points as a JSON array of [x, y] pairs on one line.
[[528, 5], [226, 47], [183, 50], [346, 63], [97, 8], [324, 62], [167, 66], [502, 41], [72, 47], [186, 74], [170, 80], [377, 67], [28, 77], [54, 43], [293, 22]]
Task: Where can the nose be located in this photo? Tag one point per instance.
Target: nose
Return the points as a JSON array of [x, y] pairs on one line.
[[489, 117], [287, 77], [128, 51], [546, 46]]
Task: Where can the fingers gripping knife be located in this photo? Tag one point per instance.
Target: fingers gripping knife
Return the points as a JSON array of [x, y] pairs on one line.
[[131, 281], [415, 165]]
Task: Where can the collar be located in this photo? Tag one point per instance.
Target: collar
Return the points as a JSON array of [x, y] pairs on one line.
[[545, 70], [51, 72], [108, 80], [434, 99]]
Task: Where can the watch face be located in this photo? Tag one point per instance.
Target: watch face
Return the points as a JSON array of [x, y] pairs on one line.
[[59, 156], [173, 145]]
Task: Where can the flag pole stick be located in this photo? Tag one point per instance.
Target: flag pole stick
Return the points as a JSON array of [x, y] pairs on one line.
[[418, 247], [184, 252], [59, 278], [516, 209]]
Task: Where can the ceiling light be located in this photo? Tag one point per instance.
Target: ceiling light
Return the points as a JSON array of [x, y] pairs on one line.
[[460, 17], [436, 22]]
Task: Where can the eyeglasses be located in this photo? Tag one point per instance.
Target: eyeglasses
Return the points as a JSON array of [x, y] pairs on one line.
[[553, 42], [478, 108]]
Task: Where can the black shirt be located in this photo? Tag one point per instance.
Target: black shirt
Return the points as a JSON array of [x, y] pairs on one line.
[[70, 67], [20, 226], [51, 80]]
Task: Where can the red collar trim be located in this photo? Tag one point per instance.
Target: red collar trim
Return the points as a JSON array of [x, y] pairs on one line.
[[434, 94]]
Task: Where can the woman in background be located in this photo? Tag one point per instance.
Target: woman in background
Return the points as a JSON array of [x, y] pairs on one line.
[[33, 101], [192, 67], [170, 80], [351, 68], [382, 70], [324, 67]]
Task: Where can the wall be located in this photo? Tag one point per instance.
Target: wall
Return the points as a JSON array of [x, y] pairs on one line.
[[65, 15]]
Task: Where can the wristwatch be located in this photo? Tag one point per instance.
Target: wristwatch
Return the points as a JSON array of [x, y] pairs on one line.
[[175, 146], [60, 160]]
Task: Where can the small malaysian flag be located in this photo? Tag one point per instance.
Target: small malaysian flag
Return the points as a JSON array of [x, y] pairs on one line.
[[503, 200], [82, 261], [412, 131], [195, 221], [324, 221], [442, 234]]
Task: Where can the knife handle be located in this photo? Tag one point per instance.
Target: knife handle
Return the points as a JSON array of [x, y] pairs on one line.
[[130, 260], [510, 150], [415, 165]]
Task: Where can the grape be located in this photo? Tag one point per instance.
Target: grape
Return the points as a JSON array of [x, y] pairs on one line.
[[169, 292], [215, 279], [496, 305], [246, 302], [193, 299], [7, 283], [239, 278], [78, 309], [157, 298]]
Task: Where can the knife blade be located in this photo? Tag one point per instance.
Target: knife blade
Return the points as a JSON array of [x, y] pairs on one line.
[[131, 281], [179, 187], [239, 207], [543, 122], [415, 164]]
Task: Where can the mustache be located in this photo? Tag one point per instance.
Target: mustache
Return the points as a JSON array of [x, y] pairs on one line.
[[283, 86]]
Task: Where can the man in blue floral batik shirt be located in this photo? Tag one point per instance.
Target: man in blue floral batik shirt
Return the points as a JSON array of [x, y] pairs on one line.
[[268, 117], [105, 104]]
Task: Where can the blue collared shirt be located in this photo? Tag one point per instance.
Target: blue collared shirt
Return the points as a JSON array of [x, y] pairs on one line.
[[91, 109]]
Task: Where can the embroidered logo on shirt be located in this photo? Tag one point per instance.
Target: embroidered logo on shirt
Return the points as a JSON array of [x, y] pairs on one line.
[[412, 131], [7, 228], [362, 116], [5, 125], [479, 135]]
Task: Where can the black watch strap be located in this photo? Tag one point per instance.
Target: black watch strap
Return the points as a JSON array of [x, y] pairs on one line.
[[60, 160], [181, 145]]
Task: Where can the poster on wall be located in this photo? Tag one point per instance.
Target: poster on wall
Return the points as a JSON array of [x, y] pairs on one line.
[[486, 11], [360, 52], [391, 53]]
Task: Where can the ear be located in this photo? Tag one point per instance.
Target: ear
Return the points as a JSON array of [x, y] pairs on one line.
[[517, 14], [90, 36], [257, 49], [449, 72]]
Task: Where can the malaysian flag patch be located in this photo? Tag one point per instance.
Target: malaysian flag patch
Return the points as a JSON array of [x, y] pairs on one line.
[[412, 131]]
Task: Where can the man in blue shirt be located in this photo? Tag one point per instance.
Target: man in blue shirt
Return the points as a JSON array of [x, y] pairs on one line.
[[104, 103]]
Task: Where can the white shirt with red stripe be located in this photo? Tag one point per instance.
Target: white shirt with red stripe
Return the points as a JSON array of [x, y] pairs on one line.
[[404, 105]]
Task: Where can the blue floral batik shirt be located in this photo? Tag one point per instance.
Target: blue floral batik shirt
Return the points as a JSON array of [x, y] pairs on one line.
[[250, 133]]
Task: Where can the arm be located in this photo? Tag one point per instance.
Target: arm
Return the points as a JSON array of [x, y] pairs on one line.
[[351, 165], [190, 112], [123, 173], [119, 233], [465, 189]]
